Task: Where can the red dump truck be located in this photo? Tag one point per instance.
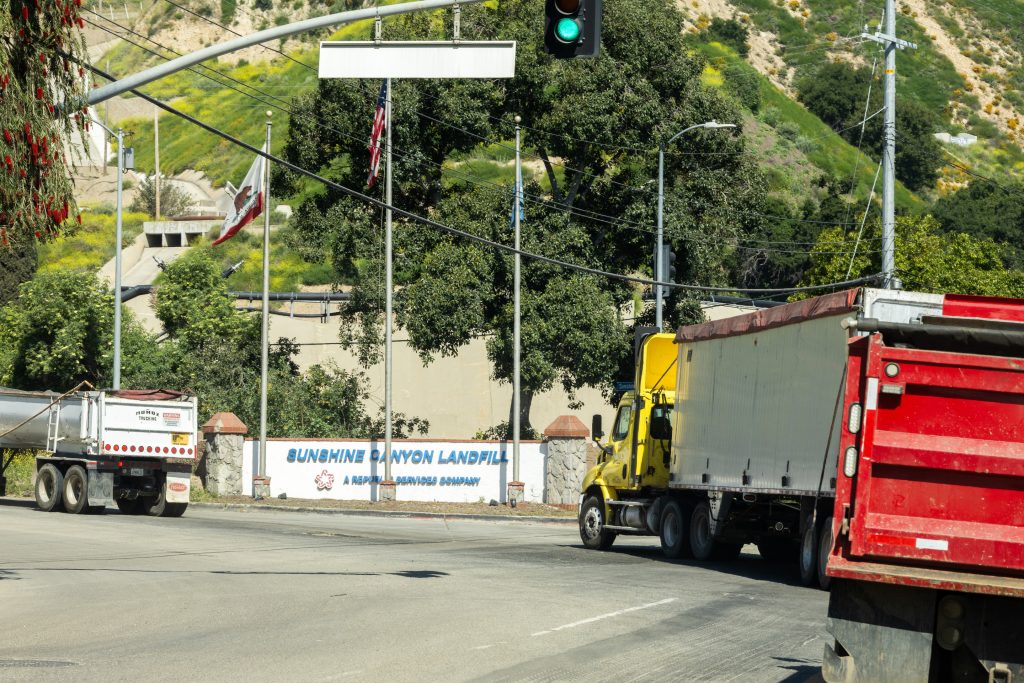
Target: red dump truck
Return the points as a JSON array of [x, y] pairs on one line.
[[927, 566]]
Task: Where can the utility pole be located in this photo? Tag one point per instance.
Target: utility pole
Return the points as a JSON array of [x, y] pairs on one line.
[[387, 491], [106, 127], [891, 43], [516, 336], [265, 326], [156, 158], [117, 260]]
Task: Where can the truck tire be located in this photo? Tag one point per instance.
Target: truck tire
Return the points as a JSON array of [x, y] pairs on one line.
[[159, 507], [592, 521], [809, 553], [824, 549], [49, 487], [702, 543], [675, 530], [76, 490]]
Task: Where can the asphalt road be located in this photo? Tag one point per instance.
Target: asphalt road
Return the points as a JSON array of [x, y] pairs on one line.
[[230, 595]]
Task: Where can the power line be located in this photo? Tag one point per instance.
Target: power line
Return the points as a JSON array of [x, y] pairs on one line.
[[535, 200], [468, 235]]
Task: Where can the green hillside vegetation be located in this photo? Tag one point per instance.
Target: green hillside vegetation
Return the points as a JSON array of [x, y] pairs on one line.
[[288, 273], [791, 128], [813, 32], [93, 244], [182, 145]]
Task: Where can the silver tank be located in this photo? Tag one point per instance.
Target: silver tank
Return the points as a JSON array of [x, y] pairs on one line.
[[39, 408]]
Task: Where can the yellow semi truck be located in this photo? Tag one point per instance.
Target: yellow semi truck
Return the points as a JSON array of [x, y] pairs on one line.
[[729, 433]]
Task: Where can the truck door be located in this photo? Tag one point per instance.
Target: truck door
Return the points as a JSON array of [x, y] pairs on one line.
[[658, 447], [621, 440]]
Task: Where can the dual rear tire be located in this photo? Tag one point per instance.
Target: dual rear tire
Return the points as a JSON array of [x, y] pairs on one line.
[[815, 546], [71, 488]]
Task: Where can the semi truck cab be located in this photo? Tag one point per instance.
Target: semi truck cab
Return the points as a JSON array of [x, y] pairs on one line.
[[634, 461]]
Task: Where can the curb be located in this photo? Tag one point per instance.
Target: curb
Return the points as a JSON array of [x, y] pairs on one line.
[[381, 513]]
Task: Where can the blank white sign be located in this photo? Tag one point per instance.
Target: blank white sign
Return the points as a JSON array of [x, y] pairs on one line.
[[417, 59]]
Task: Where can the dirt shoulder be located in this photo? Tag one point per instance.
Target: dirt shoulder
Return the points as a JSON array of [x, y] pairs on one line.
[[406, 507]]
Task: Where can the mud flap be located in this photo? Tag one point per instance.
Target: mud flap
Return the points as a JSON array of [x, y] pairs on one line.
[[100, 488], [883, 633], [177, 487]]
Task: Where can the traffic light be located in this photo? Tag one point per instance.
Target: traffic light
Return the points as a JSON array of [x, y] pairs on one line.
[[572, 28], [668, 266]]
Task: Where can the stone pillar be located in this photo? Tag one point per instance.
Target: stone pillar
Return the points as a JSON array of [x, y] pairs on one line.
[[516, 493], [566, 462], [224, 435], [387, 491]]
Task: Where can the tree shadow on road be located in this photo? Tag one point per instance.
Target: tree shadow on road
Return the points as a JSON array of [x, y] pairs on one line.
[[17, 502], [748, 565], [405, 574]]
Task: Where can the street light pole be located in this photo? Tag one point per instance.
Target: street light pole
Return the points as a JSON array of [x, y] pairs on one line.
[[118, 236], [117, 260], [659, 262]]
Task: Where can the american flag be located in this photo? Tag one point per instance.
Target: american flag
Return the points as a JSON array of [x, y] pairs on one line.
[[378, 128]]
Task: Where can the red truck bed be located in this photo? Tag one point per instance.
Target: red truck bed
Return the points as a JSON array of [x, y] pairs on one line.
[[937, 498]]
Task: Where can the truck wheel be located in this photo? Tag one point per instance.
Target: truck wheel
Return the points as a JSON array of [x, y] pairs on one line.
[[49, 487], [159, 507], [702, 543], [675, 531], [76, 490], [592, 520], [809, 553], [824, 549]]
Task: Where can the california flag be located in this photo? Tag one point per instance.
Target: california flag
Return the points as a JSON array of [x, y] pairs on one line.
[[248, 201]]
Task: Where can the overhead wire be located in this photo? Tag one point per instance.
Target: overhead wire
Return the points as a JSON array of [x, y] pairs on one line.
[[585, 213], [535, 200], [468, 235]]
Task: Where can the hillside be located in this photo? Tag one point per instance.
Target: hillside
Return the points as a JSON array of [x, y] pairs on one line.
[[968, 70]]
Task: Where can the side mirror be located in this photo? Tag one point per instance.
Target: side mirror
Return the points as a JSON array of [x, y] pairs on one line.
[[595, 428], [661, 428]]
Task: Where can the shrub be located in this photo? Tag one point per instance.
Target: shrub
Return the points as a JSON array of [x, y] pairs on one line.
[[173, 201], [729, 32]]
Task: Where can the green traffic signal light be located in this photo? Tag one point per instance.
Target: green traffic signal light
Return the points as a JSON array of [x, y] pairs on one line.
[[567, 30], [572, 28]]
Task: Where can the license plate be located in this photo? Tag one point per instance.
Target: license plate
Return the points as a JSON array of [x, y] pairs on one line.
[[179, 438], [137, 472]]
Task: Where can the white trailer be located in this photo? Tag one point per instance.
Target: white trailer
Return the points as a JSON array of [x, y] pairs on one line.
[[134, 449]]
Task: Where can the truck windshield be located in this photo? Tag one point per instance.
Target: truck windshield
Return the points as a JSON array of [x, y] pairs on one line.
[[622, 423]]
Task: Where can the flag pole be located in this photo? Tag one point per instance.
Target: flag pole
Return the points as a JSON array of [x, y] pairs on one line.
[[388, 490], [262, 489], [516, 340]]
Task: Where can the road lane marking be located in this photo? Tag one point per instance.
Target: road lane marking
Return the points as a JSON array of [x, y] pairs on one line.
[[609, 615]]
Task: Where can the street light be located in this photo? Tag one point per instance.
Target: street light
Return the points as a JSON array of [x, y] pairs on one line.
[[658, 260], [119, 134]]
